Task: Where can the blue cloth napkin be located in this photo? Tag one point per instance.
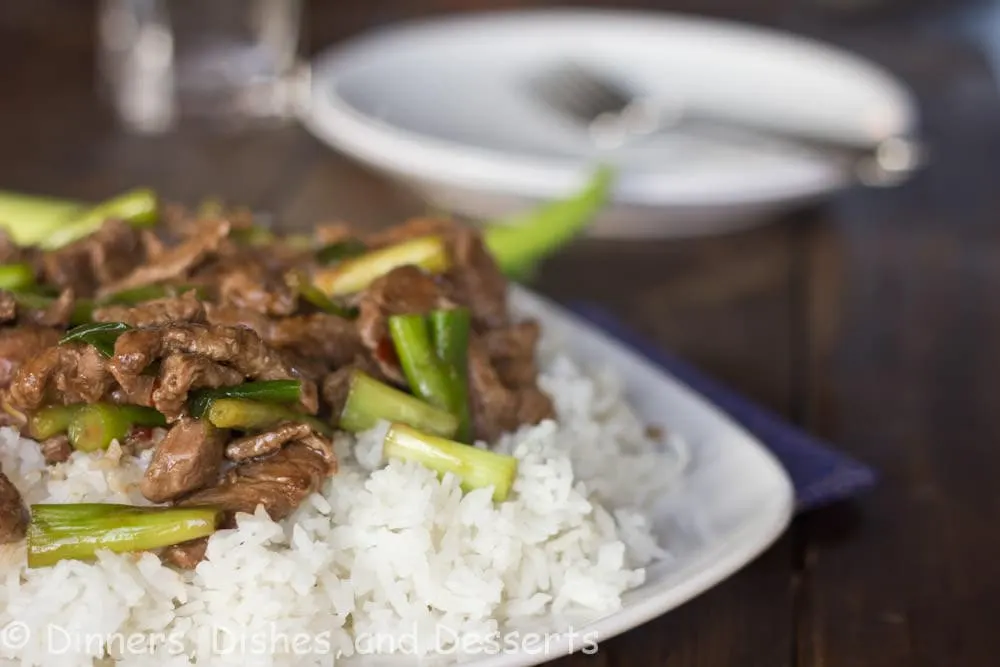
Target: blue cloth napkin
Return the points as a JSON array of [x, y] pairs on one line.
[[820, 474]]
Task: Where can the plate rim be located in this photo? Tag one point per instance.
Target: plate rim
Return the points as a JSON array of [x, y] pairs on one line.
[[447, 163]]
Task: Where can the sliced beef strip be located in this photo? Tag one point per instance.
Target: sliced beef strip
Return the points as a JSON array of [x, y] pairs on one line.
[[13, 518], [243, 349], [58, 313], [186, 460], [174, 262], [56, 449], [229, 315], [261, 444], [476, 278], [138, 390], [329, 338], [102, 257], [8, 307], [180, 373], [249, 287], [71, 373], [403, 290], [279, 482], [496, 407], [21, 344], [186, 555], [512, 352], [184, 308]]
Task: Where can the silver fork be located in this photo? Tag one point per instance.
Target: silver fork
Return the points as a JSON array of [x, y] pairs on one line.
[[615, 115]]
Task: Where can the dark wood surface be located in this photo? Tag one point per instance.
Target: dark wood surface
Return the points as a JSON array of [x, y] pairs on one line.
[[872, 321]]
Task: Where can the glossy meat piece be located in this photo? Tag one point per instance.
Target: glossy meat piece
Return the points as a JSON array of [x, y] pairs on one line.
[[474, 279], [279, 483], [477, 281], [251, 288], [237, 347], [186, 460], [185, 555], [184, 308], [403, 290], [180, 373], [20, 344], [8, 306], [496, 406], [262, 444], [13, 518], [56, 449], [320, 336], [174, 262], [101, 258], [65, 374], [512, 352]]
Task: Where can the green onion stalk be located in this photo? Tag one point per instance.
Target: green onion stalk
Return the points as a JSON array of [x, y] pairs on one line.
[[450, 332], [355, 274], [79, 531], [427, 375], [521, 241], [370, 401], [265, 391], [94, 426], [247, 415], [477, 468]]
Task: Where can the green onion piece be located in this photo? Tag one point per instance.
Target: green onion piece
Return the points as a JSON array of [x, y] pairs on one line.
[[101, 335], [95, 425], [450, 332], [299, 282], [519, 242], [267, 391], [370, 401], [140, 415], [52, 420], [137, 207], [17, 276], [355, 274], [336, 252], [79, 531], [477, 468], [28, 219], [425, 373], [248, 415]]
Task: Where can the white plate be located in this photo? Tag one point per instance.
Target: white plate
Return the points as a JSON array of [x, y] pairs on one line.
[[440, 105], [740, 495]]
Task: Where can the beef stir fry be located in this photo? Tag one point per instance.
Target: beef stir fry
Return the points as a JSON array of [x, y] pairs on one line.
[[235, 354]]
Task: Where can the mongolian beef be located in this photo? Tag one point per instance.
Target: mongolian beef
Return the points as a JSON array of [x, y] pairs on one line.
[[234, 355]]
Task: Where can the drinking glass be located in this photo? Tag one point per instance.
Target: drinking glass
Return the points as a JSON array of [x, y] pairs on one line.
[[219, 63]]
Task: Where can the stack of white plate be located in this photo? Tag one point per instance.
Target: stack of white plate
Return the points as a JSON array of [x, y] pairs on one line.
[[441, 106]]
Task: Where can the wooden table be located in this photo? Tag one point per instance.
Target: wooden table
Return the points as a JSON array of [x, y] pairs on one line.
[[871, 322]]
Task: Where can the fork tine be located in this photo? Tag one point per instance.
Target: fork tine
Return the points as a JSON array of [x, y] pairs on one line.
[[573, 90]]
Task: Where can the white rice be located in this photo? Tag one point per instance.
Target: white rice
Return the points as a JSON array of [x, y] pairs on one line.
[[387, 559]]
